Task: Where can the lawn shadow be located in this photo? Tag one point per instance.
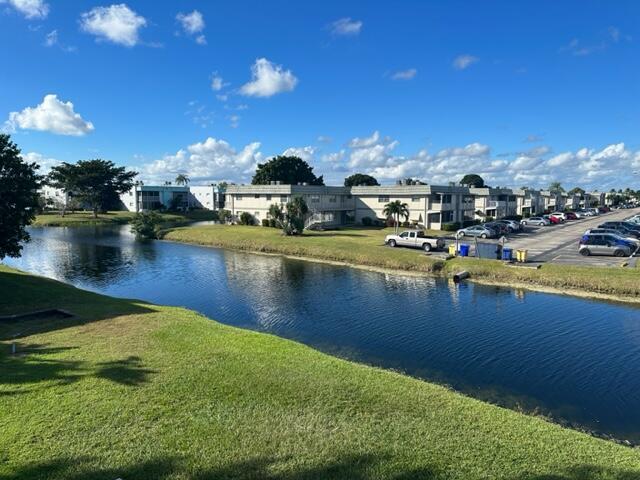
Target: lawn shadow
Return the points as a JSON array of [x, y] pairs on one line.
[[333, 234], [125, 372]]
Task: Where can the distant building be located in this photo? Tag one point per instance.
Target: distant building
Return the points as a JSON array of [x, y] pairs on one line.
[[494, 202], [179, 197]]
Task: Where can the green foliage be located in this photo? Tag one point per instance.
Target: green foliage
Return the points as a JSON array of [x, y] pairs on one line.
[[451, 226], [182, 179], [472, 180], [556, 187], [360, 179], [366, 221], [276, 215], [94, 182], [146, 224], [18, 197], [265, 222], [247, 219], [293, 223], [289, 170], [224, 216], [396, 210]]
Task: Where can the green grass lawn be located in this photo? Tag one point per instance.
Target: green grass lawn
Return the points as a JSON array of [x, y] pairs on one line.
[[364, 246], [54, 219], [138, 391]]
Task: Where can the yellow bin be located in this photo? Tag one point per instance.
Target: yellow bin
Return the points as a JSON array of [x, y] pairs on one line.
[[452, 249], [521, 255]]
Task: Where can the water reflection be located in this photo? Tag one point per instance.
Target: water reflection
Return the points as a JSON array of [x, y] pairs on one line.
[[570, 358]]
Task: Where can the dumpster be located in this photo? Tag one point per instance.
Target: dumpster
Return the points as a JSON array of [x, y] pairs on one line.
[[521, 255], [452, 249], [464, 250], [488, 250], [507, 254]]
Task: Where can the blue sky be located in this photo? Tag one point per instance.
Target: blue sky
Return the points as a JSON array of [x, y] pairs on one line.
[[521, 92]]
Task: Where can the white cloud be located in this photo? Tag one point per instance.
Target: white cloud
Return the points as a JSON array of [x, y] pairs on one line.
[[360, 142], [217, 82], [211, 160], [51, 115], [268, 79], [345, 27], [234, 121], [305, 153], [115, 23], [51, 39], [404, 74], [193, 24], [464, 61], [44, 162], [31, 9]]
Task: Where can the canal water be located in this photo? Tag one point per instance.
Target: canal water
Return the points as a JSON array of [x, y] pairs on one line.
[[575, 360]]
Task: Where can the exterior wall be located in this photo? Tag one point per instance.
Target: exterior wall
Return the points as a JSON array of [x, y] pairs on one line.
[[494, 202], [206, 196], [327, 205], [148, 197], [528, 202], [56, 197], [429, 205]]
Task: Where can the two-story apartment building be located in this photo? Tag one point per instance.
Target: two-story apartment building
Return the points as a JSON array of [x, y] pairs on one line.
[[153, 197], [553, 201], [208, 197], [528, 202], [494, 202], [327, 205], [428, 205]]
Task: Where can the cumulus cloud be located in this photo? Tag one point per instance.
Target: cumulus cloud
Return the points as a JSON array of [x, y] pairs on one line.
[[116, 23], [31, 9], [462, 62], [43, 161], [192, 25], [305, 153], [345, 27], [217, 82], [207, 161], [52, 115], [404, 74], [268, 79]]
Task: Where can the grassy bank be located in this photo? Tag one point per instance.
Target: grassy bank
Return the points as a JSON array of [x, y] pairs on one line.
[[361, 246], [54, 219], [139, 391]]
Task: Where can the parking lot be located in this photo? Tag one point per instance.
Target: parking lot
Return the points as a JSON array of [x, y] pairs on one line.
[[559, 243]]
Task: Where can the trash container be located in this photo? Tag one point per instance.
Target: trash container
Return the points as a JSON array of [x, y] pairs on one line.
[[507, 254], [464, 250], [452, 249], [521, 255]]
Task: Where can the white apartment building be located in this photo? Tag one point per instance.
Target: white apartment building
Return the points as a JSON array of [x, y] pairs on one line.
[[330, 206], [207, 197], [429, 205], [528, 202], [54, 197], [494, 202], [153, 197], [553, 201]]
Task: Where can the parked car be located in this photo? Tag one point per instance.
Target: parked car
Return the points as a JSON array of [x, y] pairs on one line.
[[594, 211], [500, 228], [609, 231], [580, 213], [606, 244], [539, 221], [553, 219], [635, 220], [604, 209], [512, 225], [415, 239], [570, 216], [625, 225], [476, 231]]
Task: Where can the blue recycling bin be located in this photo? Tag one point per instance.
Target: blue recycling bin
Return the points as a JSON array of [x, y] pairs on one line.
[[464, 250], [507, 254]]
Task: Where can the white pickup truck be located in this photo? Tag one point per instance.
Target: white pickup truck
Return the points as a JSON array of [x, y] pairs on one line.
[[416, 239]]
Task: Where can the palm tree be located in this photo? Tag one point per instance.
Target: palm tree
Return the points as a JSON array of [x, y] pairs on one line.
[[182, 179], [556, 187], [396, 209]]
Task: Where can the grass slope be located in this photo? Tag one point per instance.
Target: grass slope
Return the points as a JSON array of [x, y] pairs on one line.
[[113, 218], [362, 246], [138, 391]]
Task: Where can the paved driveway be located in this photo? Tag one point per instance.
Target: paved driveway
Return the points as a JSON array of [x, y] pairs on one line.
[[559, 243]]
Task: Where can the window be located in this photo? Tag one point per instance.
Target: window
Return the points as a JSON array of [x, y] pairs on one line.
[[256, 214], [383, 199], [404, 234], [434, 218], [315, 198], [332, 199], [283, 198], [415, 199], [446, 198], [256, 195], [268, 197], [349, 197], [447, 216], [238, 197]]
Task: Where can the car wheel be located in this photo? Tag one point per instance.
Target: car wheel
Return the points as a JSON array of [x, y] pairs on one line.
[[585, 252], [484, 235], [392, 243], [426, 247], [619, 253], [461, 234], [524, 223]]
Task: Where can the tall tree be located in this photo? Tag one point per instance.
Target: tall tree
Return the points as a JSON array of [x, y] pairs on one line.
[[296, 210], [360, 179], [94, 182], [182, 179], [472, 180], [287, 169], [396, 209], [19, 183], [576, 191], [556, 187]]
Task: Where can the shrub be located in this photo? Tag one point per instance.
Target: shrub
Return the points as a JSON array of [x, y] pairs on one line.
[[469, 223], [406, 223], [366, 221], [451, 226], [265, 222], [224, 216], [273, 223], [247, 219], [390, 222], [146, 224]]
